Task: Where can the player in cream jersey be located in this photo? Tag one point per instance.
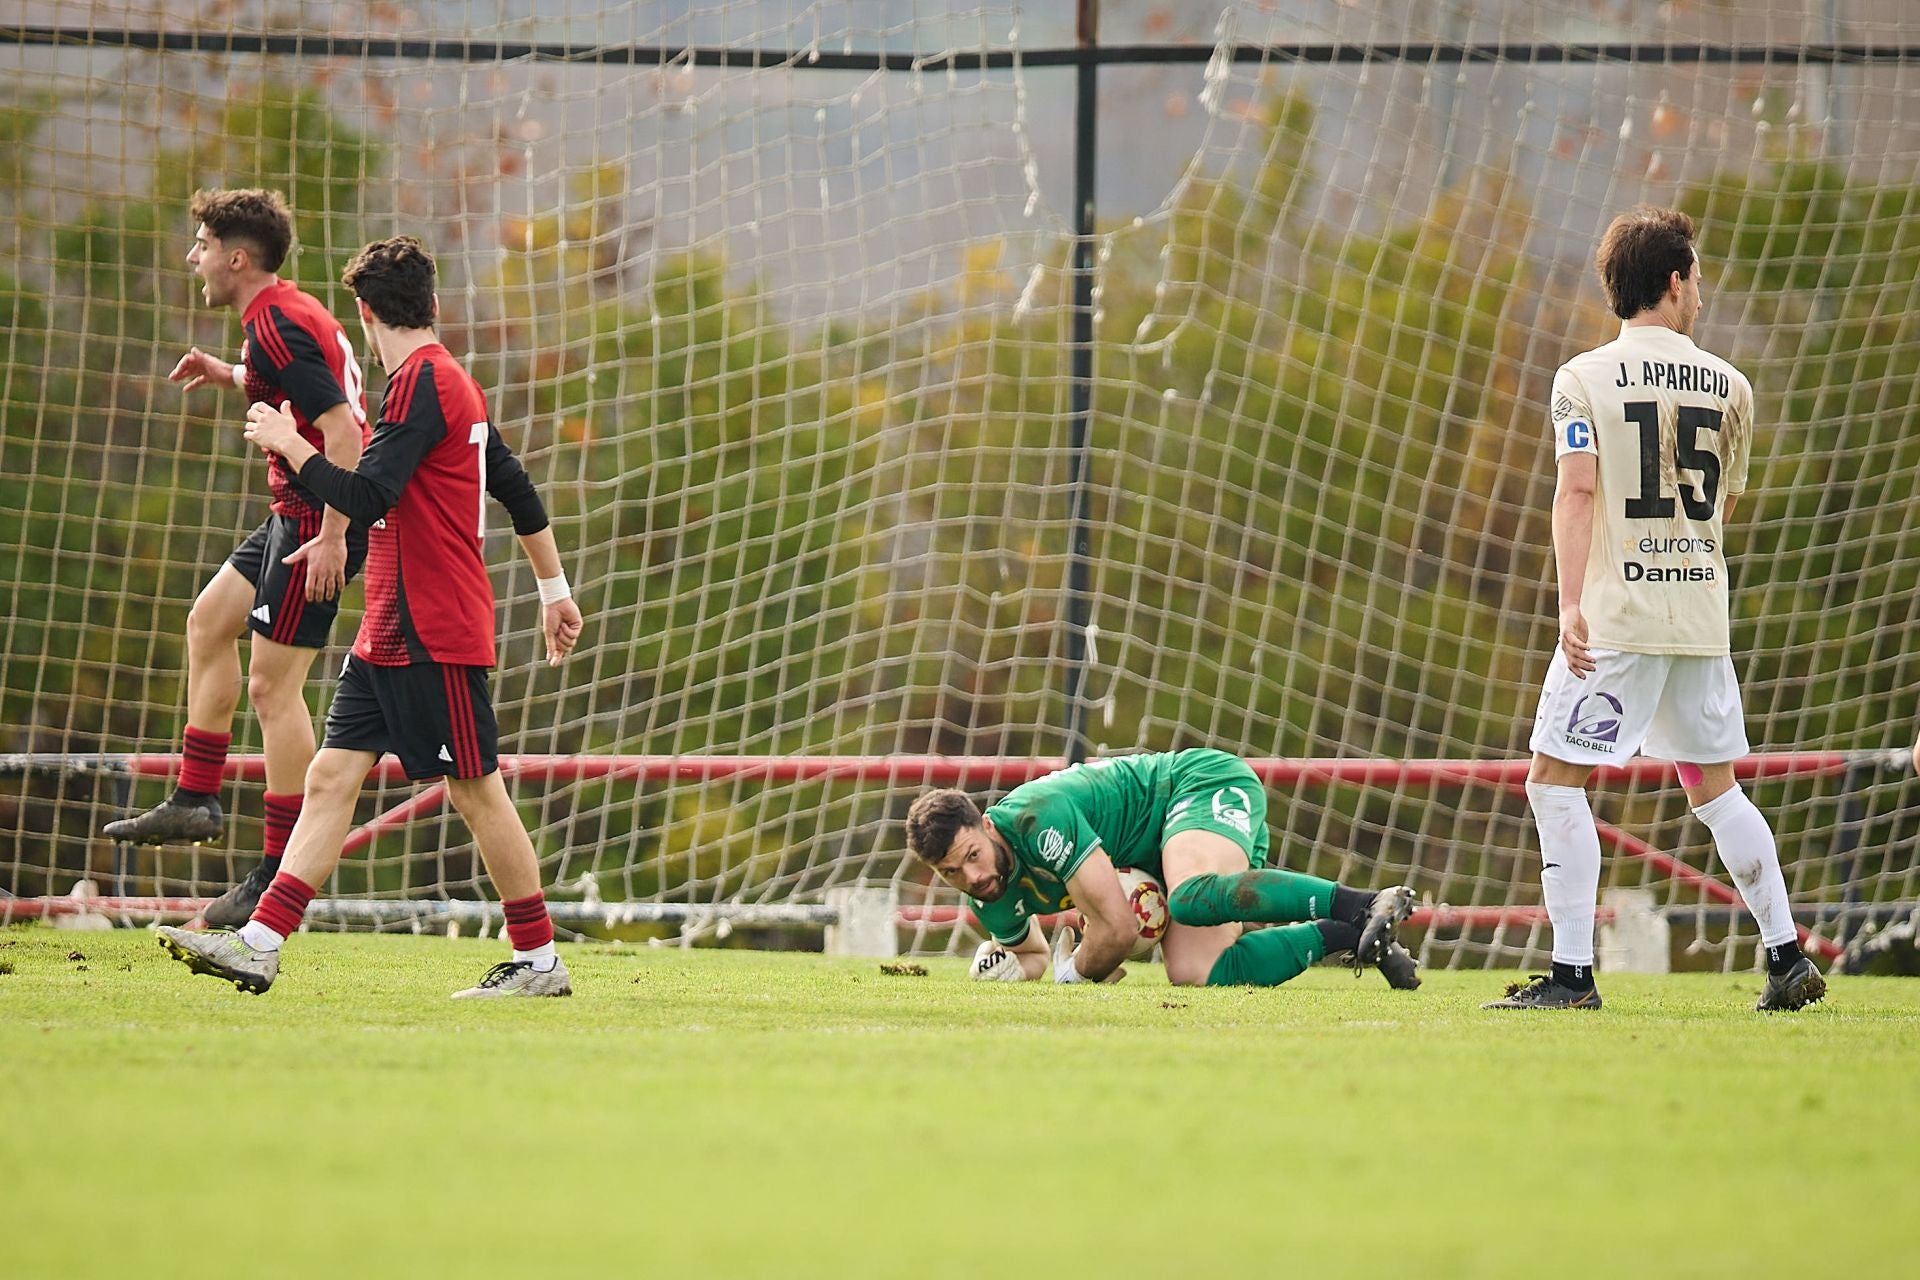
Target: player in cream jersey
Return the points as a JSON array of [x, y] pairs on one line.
[[1652, 437], [1671, 428]]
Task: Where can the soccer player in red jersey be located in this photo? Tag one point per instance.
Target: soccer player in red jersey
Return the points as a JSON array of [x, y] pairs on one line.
[[416, 683], [284, 582]]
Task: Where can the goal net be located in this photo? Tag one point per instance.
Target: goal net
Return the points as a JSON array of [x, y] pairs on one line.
[[780, 304]]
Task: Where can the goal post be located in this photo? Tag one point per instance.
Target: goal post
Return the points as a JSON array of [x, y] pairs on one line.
[[1006, 382]]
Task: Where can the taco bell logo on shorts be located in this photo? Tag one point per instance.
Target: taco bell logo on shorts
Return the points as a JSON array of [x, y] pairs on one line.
[[1231, 806], [1595, 721], [1055, 848]]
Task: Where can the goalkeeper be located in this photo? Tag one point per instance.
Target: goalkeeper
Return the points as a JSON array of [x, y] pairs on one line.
[[1197, 820]]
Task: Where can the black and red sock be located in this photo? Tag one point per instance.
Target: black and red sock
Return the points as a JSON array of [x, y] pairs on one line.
[[284, 905], [529, 927], [282, 812], [203, 758]]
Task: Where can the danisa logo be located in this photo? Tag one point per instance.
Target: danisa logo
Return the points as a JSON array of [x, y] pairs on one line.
[[1685, 571], [1634, 571], [1595, 722], [1055, 848]]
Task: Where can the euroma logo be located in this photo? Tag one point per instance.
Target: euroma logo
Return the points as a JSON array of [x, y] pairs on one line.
[[1685, 571], [1595, 722]]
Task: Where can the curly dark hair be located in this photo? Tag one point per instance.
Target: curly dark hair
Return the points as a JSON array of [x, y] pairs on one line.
[[395, 279], [255, 220], [1639, 253], [935, 819]]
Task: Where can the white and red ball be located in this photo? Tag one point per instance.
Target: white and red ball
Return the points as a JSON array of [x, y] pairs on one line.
[[1148, 900]]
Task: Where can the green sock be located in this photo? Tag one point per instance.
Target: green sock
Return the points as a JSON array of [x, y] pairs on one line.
[[1266, 896], [1268, 957]]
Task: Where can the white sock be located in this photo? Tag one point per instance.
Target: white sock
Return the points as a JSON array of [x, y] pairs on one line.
[[1569, 867], [542, 958], [1746, 847], [259, 937]]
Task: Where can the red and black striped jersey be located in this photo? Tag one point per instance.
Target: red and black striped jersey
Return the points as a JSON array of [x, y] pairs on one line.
[[298, 358], [422, 485]]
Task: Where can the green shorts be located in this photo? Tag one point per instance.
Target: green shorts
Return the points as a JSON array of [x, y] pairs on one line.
[[1217, 792]]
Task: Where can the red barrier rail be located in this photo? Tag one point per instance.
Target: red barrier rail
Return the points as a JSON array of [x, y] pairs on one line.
[[991, 770], [980, 771]]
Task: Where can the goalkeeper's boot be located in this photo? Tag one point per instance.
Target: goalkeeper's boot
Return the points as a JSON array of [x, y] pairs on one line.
[[1390, 907], [224, 956], [1399, 968], [520, 978], [1542, 992], [170, 823], [235, 907], [1797, 988]]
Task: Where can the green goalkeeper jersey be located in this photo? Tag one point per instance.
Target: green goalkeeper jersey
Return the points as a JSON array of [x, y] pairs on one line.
[[1126, 807]]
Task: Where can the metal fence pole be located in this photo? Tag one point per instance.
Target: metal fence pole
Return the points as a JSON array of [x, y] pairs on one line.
[[1846, 842], [1079, 461]]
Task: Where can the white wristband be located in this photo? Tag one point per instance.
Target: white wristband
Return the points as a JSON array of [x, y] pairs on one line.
[[553, 589], [239, 375], [1065, 972]]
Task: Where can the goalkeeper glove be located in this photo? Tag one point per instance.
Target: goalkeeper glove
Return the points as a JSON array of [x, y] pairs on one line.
[[994, 963], [1066, 940]]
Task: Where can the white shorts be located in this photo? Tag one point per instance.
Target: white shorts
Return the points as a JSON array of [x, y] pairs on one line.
[[1668, 706]]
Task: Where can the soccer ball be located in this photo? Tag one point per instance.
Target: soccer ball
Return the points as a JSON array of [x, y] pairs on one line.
[[1149, 902]]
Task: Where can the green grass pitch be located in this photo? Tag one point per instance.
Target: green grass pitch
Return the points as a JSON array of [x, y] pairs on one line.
[[730, 1114]]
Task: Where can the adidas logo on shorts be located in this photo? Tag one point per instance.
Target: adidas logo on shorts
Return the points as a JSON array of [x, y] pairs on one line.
[[444, 755], [262, 614]]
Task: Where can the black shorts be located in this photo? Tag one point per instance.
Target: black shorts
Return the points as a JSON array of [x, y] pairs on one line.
[[281, 611], [437, 719]]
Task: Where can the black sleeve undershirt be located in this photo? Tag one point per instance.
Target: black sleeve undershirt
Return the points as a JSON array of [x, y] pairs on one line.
[[306, 378]]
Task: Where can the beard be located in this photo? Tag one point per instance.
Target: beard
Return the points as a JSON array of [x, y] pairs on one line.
[[1002, 876]]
